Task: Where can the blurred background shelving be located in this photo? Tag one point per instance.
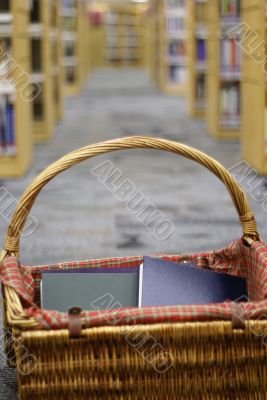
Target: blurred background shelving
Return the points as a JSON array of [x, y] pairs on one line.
[[16, 142], [197, 19], [224, 70], [189, 48], [41, 69], [72, 37]]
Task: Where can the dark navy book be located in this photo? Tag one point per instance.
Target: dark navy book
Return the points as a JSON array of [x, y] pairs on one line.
[[167, 283]]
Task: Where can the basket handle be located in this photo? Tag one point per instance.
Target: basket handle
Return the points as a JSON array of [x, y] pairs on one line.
[[11, 245]]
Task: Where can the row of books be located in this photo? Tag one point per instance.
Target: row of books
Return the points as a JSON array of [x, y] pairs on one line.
[[175, 24], [69, 23], [69, 48], [200, 89], [4, 6], [38, 106], [6, 48], [70, 73], [177, 74], [7, 125], [35, 15], [230, 8], [36, 56], [230, 54], [111, 18], [230, 102], [176, 48]]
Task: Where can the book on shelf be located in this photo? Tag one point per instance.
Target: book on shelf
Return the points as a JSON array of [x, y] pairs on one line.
[[200, 90], [35, 15], [177, 74], [201, 50], [230, 8], [69, 23], [36, 51], [38, 106], [175, 24], [176, 47], [7, 125], [70, 73], [6, 49], [111, 18], [230, 103], [69, 48], [5, 6], [230, 55]]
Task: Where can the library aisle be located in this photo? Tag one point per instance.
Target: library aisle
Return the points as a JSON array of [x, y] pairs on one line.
[[79, 217]]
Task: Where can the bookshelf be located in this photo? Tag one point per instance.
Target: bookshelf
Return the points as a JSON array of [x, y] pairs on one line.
[[71, 38], [224, 66], [41, 69], [172, 43], [197, 57], [254, 89], [124, 36], [85, 42], [97, 35], [152, 41], [15, 88], [56, 56]]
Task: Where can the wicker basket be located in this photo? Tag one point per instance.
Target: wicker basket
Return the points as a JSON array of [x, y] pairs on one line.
[[213, 351]]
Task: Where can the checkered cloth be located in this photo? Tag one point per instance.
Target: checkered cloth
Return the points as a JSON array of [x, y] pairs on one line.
[[235, 259]]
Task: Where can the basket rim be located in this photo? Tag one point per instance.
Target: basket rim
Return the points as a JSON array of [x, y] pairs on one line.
[[17, 316]]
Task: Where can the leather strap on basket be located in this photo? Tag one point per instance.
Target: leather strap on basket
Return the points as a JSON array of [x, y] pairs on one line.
[[26, 202]]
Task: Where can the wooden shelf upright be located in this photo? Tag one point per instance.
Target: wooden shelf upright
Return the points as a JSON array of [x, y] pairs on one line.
[[254, 85], [224, 66], [155, 29], [42, 107], [56, 58], [97, 34], [197, 57], [85, 44], [15, 89]]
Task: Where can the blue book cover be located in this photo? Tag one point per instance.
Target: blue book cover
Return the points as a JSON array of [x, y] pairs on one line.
[[201, 50], [9, 131], [166, 283]]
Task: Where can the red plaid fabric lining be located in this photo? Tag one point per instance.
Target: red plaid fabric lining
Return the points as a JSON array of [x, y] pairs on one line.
[[235, 259]]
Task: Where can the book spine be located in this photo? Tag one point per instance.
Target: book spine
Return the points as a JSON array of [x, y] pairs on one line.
[[10, 127]]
